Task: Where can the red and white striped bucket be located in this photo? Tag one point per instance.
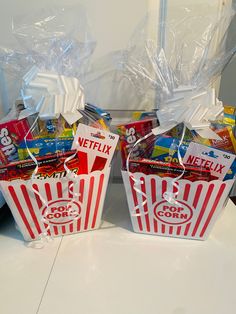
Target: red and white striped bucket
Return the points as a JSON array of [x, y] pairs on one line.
[[198, 205], [46, 205]]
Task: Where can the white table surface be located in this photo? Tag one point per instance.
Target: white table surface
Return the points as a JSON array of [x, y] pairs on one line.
[[115, 271]]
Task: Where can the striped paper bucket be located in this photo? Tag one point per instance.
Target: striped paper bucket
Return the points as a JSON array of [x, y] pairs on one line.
[[56, 206], [198, 205]]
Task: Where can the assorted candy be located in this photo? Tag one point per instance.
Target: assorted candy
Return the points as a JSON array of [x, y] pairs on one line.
[[49, 143], [195, 158]]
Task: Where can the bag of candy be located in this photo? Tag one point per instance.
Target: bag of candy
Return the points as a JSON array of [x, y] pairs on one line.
[[178, 175], [55, 149]]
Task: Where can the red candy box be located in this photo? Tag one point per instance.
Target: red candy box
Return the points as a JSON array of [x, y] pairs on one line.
[[11, 134], [130, 133]]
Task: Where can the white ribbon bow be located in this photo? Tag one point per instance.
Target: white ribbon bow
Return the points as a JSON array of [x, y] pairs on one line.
[[193, 108], [51, 95]]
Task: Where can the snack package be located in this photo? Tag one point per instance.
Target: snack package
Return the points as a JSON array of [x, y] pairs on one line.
[[11, 134], [170, 170], [180, 186], [100, 112], [43, 147], [53, 181], [55, 128], [130, 133], [166, 149], [51, 166], [229, 115], [226, 141], [139, 115], [227, 135]]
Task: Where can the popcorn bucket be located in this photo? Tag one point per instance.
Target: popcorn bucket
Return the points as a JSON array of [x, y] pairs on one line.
[[193, 215], [56, 207], [55, 149]]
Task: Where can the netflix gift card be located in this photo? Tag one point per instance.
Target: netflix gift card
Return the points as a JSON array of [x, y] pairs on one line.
[[217, 161], [99, 145]]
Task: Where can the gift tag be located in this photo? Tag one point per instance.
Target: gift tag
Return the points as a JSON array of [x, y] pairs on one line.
[[219, 162], [96, 143]]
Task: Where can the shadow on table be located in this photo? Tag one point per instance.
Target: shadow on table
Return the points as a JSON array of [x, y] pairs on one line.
[[116, 209], [7, 224]]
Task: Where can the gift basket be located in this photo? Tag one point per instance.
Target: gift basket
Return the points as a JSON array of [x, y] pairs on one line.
[[55, 149], [179, 158]]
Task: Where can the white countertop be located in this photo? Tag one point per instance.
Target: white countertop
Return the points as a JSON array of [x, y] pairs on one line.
[[115, 271]]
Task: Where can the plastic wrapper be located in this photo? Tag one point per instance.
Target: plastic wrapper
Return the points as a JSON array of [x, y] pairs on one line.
[[55, 149], [179, 183], [54, 39]]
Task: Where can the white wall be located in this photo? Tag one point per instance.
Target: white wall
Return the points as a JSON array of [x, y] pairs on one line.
[[227, 88], [112, 21]]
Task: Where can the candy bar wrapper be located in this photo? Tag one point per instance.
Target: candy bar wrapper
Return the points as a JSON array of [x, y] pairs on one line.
[[44, 146], [166, 149], [226, 133], [229, 115], [55, 128]]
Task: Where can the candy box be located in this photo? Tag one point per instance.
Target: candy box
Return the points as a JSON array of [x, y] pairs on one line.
[[130, 133], [11, 134], [226, 132]]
